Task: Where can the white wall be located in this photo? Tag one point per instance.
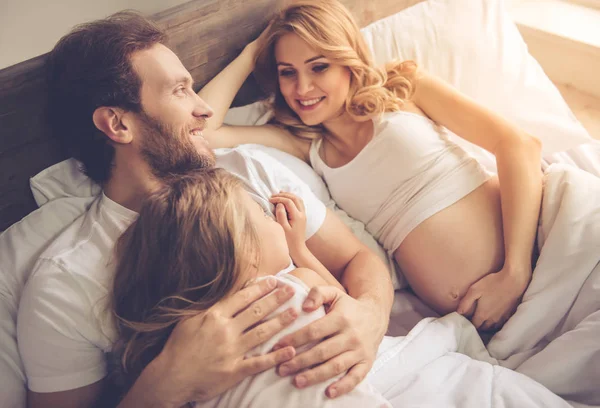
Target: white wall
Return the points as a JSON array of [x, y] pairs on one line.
[[29, 28], [513, 3]]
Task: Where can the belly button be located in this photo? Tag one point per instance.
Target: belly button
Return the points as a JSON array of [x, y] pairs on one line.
[[454, 293]]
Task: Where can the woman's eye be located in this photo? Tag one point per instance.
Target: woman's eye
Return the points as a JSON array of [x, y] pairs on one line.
[[286, 73], [320, 67], [180, 90]]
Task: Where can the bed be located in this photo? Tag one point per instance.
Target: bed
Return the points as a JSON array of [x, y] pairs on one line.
[[470, 46]]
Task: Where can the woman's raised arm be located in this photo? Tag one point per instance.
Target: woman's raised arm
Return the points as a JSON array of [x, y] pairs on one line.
[[219, 94]]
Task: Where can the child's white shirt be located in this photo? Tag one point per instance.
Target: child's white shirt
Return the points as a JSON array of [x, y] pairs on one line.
[[269, 390]]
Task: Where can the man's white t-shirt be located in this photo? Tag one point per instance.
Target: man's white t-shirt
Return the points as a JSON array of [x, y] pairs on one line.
[[64, 324]]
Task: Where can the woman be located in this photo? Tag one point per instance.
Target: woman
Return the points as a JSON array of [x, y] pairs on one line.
[[463, 238], [199, 239]]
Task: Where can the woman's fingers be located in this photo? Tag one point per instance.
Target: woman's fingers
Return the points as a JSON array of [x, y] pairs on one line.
[[486, 325], [481, 318], [467, 303]]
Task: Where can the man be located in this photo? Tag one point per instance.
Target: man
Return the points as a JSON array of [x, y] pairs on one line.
[[123, 104]]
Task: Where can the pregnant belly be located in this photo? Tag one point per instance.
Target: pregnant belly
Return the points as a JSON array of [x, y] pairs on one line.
[[454, 248]]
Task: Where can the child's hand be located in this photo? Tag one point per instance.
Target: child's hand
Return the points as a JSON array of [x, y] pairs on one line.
[[291, 215]]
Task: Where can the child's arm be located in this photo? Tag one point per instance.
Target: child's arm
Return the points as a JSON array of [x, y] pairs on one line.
[[304, 259], [309, 277], [290, 214]]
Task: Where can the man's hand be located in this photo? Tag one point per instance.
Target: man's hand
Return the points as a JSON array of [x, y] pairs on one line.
[[349, 336], [204, 356], [491, 301]]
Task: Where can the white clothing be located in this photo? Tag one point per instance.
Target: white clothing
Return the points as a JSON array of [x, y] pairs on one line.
[[269, 390], [409, 171], [440, 363], [64, 327]]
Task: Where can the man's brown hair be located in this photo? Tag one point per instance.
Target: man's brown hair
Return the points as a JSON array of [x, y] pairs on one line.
[[91, 67]]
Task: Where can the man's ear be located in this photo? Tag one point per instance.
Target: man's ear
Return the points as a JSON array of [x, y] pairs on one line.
[[111, 122]]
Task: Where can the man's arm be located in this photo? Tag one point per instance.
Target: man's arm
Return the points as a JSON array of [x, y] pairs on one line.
[[359, 270], [355, 323]]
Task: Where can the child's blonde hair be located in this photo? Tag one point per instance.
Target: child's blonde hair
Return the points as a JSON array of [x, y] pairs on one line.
[[189, 248]]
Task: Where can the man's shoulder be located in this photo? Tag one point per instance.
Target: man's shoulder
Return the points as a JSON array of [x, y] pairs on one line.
[[84, 248], [71, 279]]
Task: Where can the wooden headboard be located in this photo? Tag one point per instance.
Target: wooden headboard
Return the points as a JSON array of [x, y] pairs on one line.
[[205, 34]]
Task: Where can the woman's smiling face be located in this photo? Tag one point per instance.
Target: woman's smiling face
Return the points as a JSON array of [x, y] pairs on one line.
[[313, 87]]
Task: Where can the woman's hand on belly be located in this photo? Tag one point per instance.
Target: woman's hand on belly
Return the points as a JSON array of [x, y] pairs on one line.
[[493, 299]]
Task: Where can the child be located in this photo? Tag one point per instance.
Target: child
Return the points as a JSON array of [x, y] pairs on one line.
[[197, 240]]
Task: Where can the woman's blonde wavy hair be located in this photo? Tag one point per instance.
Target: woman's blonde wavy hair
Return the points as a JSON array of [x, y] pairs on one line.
[[191, 246], [328, 27]]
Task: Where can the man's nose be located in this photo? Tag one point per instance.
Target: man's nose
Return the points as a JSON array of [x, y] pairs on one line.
[[202, 109]]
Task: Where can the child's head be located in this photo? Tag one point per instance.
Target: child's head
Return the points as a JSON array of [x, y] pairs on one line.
[[197, 239]]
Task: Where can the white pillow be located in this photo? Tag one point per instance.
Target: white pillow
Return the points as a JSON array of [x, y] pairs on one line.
[[64, 179], [475, 46]]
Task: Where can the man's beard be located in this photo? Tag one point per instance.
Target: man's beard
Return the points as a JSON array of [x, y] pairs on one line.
[[168, 153]]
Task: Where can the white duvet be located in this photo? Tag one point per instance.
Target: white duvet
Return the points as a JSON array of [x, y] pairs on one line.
[[553, 338], [443, 363]]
